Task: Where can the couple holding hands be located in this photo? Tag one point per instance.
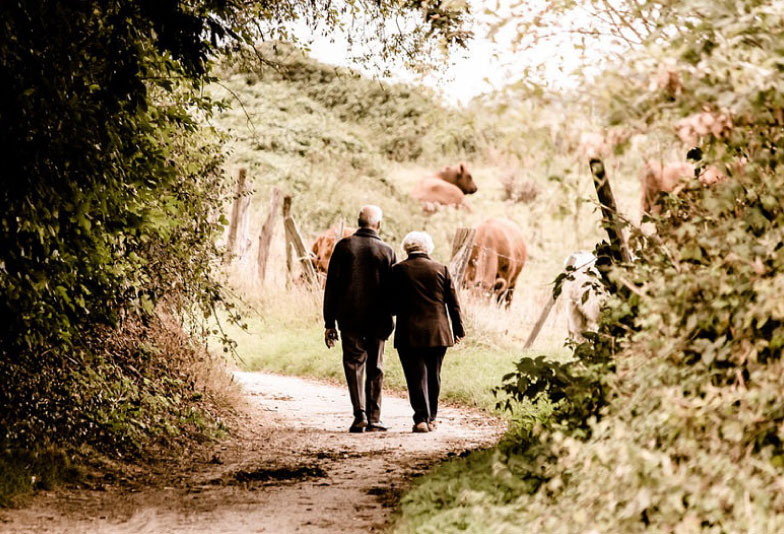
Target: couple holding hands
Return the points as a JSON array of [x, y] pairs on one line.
[[365, 287]]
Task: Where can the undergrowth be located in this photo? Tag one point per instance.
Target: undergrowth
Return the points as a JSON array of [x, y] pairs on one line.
[[142, 387]]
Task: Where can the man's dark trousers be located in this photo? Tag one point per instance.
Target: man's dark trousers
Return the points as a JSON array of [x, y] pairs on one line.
[[422, 367], [363, 355]]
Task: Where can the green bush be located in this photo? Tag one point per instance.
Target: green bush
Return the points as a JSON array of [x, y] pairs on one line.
[[689, 433], [113, 185]]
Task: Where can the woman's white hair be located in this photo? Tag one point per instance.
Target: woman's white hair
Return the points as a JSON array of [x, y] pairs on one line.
[[418, 242]]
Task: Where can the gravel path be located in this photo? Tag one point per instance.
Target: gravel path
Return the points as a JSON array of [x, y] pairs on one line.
[[292, 467]]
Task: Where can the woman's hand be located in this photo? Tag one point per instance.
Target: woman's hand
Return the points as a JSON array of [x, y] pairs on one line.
[[458, 339]]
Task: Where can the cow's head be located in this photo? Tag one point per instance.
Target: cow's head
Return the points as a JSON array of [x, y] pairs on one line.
[[321, 253], [464, 180], [474, 278]]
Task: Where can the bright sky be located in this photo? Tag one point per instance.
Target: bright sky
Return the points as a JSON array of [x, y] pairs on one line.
[[489, 62]]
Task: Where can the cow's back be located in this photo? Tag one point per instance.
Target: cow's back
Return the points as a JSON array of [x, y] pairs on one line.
[[432, 192], [503, 236]]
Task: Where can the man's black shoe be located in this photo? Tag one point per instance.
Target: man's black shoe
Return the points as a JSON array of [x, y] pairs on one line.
[[378, 426], [359, 425]]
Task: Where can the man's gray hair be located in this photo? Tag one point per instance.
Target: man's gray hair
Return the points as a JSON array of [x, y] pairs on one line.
[[418, 242], [370, 216]]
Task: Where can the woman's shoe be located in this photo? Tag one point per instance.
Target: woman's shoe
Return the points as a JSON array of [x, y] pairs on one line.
[[432, 425], [358, 426], [420, 428]]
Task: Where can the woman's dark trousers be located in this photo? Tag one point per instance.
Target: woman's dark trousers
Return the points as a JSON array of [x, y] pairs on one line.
[[422, 367]]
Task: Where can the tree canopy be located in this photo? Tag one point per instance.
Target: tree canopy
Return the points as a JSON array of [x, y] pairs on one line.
[[112, 180]]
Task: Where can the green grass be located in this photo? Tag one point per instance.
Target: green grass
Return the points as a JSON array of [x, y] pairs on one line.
[[21, 471], [288, 339], [460, 495]]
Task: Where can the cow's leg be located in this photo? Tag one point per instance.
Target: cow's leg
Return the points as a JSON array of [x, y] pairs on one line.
[[499, 290], [508, 297], [490, 272], [513, 273]]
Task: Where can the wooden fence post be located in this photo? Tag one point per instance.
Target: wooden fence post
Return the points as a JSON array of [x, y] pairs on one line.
[[286, 214], [540, 322], [238, 209], [294, 240], [242, 243], [458, 240], [462, 244], [610, 219], [267, 232]]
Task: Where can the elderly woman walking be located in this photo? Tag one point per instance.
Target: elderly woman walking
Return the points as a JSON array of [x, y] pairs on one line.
[[423, 297]]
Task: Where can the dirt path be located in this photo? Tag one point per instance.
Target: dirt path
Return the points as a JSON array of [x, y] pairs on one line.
[[292, 468]]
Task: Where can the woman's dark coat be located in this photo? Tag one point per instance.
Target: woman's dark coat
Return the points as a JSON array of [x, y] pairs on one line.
[[423, 297]]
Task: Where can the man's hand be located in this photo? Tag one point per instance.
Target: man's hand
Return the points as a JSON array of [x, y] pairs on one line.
[[458, 339], [330, 337]]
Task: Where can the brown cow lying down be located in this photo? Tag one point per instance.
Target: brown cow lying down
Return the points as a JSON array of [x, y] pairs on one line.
[[655, 179], [447, 187], [496, 260], [322, 248]]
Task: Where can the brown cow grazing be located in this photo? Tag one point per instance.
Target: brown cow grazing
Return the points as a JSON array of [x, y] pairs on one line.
[[496, 260], [655, 179], [447, 187], [322, 248]]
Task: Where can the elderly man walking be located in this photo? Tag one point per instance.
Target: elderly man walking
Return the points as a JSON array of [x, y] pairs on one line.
[[354, 298]]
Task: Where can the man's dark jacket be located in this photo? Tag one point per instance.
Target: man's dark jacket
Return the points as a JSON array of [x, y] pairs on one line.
[[421, 293], [354, 294]]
